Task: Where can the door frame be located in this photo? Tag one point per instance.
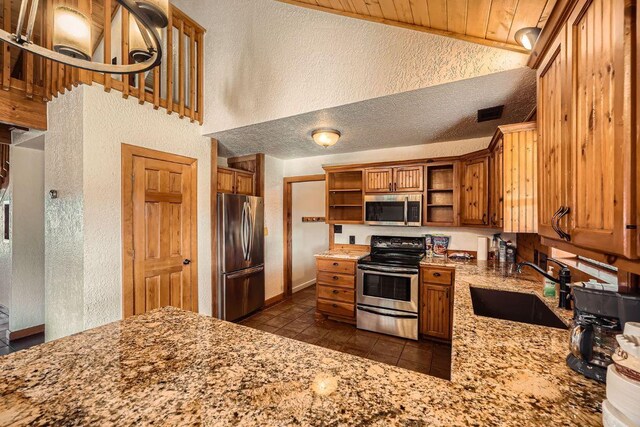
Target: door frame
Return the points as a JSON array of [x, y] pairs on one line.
[[128, 153], [288, 227]]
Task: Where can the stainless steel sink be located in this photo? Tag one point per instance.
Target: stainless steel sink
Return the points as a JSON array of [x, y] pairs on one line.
[[514, 306]]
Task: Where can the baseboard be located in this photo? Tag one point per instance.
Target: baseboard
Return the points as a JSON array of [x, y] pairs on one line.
[[303, 285], [27, 332], [273, 300]]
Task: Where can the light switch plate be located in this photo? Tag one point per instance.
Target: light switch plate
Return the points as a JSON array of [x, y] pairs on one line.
[[352, 240]]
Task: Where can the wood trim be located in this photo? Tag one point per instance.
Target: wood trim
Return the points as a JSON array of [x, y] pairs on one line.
[[399, 163], [288, 227], [273, 301], [214, 227], [128, 152], [558, 16], [501, 130], [405, 25], [27, 332], [351, 247]]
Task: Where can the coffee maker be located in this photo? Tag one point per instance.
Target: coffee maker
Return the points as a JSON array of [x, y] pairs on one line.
[[599, 315]]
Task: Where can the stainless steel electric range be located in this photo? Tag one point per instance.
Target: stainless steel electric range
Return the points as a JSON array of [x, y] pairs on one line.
[[387, 286]]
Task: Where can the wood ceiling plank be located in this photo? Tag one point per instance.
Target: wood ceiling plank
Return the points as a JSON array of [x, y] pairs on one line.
[[389, 9], [457, 15], [546, 12], [420, 12], [438, 14], [478, 17], [324, 3], [403, 7], [360, 7], [527, 15], [374, 8], [347, 5], [336, 4], [500, 19]]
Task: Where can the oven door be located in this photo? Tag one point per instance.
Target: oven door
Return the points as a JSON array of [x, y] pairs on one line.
[[389, 287], [393, 209]]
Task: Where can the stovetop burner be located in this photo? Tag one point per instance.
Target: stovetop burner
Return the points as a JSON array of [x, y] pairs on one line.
[[396, 251]]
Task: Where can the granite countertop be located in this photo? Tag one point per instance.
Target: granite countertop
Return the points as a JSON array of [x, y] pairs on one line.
[[346, 254], [178, 368]]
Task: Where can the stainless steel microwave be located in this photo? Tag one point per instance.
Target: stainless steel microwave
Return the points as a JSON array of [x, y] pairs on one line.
[[393, 209]]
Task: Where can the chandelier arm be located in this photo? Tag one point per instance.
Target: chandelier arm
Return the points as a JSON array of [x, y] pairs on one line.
[[32, 19], [155, 48], [23, 12]]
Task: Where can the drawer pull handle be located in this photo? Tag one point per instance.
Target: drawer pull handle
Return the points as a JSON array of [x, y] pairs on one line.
[[436, 274], [335, 264], [335, 277], [335, 291]]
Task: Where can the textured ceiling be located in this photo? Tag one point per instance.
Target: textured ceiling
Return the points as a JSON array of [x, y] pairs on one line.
[[439, 113]]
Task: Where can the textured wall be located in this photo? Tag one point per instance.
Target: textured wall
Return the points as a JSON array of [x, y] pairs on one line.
[[309, 238], [267, 60], [109, 121], [27, 284], [83, 226], [64, 266]]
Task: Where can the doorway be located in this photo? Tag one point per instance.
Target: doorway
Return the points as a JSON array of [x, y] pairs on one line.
[[159, 231], [304, 227]]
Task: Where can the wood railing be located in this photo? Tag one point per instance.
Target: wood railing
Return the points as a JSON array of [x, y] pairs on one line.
[[176, 85]]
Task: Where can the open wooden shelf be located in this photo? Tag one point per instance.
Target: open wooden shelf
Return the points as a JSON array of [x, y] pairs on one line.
[[440, 197], [345, 202]]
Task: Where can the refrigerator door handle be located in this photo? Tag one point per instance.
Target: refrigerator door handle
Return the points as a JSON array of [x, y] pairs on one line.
[[250, 230], [243, 231], [246, 272]]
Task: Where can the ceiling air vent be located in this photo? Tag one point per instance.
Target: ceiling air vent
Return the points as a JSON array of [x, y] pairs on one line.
[[492, 113]]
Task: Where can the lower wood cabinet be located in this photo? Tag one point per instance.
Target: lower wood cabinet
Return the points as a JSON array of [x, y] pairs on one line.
[[436, 302], [336, 288]]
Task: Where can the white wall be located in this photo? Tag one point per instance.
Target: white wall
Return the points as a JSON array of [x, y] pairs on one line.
[[27, 284], [273, 212], [5, 250], [267, 60], [106, 121], [308, 238]]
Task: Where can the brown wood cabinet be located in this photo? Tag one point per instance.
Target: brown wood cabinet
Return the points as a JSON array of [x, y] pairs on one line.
[[436, 302], [344, 197], [474, 209], [587, 113], [336, 288], [394, 179], [441, 205], [513, 178], [235, 181]]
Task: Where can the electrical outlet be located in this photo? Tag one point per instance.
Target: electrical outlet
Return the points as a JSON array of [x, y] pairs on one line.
[[352, 240], [337, 229], [266, 232]]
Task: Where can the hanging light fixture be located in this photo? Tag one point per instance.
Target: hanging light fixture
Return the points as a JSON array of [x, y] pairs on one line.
[[325, 137], [137, 47], [72, 36], [527, 37]]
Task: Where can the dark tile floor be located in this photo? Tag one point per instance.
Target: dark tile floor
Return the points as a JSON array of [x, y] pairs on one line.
[[295, 318], [7, 347]]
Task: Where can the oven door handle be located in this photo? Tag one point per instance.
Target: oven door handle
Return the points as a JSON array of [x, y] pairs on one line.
[[397, 316], [388, 269], [406, 210]]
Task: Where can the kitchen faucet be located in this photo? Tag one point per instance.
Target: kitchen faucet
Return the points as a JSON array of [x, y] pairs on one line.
[[564, 280]]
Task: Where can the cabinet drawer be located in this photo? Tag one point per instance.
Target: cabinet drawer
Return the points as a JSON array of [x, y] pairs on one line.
[[336, 308], [336, 266], [437, 275], [335, 279], [336, 294]]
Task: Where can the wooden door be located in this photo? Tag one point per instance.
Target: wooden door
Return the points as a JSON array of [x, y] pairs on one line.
[[601, 130], [496, 196], [226, 180], [159, 232], [554, 167], [475, 192], [436, 310], [244, 183], [378, 180], [409, 178]]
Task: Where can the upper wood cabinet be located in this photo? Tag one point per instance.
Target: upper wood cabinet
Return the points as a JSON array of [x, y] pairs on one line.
[[513, 178], [235, 181], [394, 179], [442, 197], [588, 114], [474, 209]]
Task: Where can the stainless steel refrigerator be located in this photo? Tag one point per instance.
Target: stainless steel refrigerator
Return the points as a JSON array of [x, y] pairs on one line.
[[240, 255]]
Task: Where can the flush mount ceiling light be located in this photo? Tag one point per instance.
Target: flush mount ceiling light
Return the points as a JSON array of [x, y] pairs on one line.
[[527, 37], [72, 36], [325, 137]]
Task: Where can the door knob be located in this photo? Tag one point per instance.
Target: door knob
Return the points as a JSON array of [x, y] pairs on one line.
[[186, 262]]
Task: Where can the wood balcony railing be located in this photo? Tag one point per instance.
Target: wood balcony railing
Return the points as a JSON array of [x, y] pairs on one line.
[[176, 84]]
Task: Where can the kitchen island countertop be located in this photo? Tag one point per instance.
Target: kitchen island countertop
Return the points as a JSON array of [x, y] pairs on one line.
[[174, 367]]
